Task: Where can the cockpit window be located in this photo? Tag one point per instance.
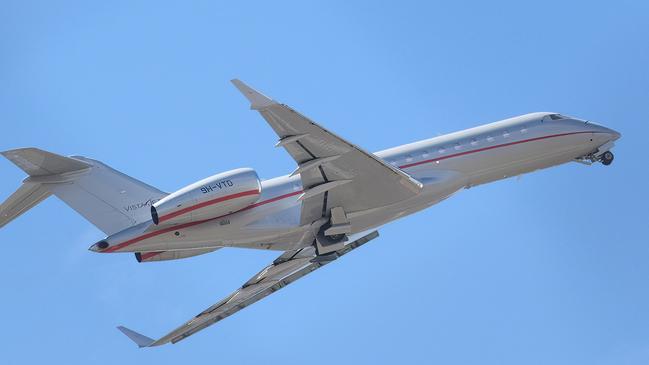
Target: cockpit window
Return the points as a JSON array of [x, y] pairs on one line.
[[557, 117]]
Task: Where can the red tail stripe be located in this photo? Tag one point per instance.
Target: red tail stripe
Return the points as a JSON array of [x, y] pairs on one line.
[[190, 224], [207, 203]]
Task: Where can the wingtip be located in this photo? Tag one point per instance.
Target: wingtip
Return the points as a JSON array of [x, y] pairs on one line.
[[139, 339], [257, 99]]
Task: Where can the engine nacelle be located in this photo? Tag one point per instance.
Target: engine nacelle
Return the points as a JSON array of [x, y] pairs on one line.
[[215, 196], [171, 255]]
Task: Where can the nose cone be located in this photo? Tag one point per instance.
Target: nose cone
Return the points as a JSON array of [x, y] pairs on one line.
[[611, 135]]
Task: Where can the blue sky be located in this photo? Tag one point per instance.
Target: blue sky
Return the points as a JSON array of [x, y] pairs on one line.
[[551, 268]]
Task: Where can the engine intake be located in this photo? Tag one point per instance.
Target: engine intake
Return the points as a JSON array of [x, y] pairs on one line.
[[212, 197]]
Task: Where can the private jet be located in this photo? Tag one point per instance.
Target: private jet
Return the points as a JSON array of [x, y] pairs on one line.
[[332, 203]]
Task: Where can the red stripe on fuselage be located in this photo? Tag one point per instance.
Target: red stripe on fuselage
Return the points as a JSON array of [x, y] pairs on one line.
[[207, 203], [271, 200], [191, 224], [489, 148]]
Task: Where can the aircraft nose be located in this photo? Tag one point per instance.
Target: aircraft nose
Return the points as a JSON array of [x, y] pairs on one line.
[[612, 135]]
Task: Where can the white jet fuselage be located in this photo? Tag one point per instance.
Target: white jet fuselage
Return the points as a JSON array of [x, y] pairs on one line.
[[443, 164], [328, 206]]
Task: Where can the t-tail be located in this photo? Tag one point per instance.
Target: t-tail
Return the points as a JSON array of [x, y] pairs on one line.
[[107, 198]]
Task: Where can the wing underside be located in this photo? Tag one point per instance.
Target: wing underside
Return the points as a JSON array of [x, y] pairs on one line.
[[287, 268]]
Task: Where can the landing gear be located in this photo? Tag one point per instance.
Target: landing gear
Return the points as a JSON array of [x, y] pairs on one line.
[[328, 244], [332, 235], [606, 158]]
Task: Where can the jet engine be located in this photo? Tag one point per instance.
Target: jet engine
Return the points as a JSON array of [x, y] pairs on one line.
[[215, 196], [171, 255]]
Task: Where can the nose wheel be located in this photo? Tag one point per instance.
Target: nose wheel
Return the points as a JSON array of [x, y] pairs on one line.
[[607, 158]]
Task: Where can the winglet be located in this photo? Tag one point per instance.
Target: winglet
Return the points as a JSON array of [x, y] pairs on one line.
[[257, 100], [140, 340]]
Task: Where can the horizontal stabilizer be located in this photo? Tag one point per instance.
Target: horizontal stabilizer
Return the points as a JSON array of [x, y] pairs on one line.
[[140, 340], [36, 162], [42, 167], [104, 196], [25, 198]]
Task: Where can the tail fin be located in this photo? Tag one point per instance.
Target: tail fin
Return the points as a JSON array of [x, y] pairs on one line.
[[107, 198]]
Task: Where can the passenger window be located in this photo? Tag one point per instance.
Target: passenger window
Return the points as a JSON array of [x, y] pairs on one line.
[[458, 146], [425, 154], [490, 138], [408, 158], [441, 150], [524, 130], [474, 142], [506, 134]]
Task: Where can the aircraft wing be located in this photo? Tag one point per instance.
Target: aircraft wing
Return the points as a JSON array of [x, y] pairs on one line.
[[287, 268], [334, 172]]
